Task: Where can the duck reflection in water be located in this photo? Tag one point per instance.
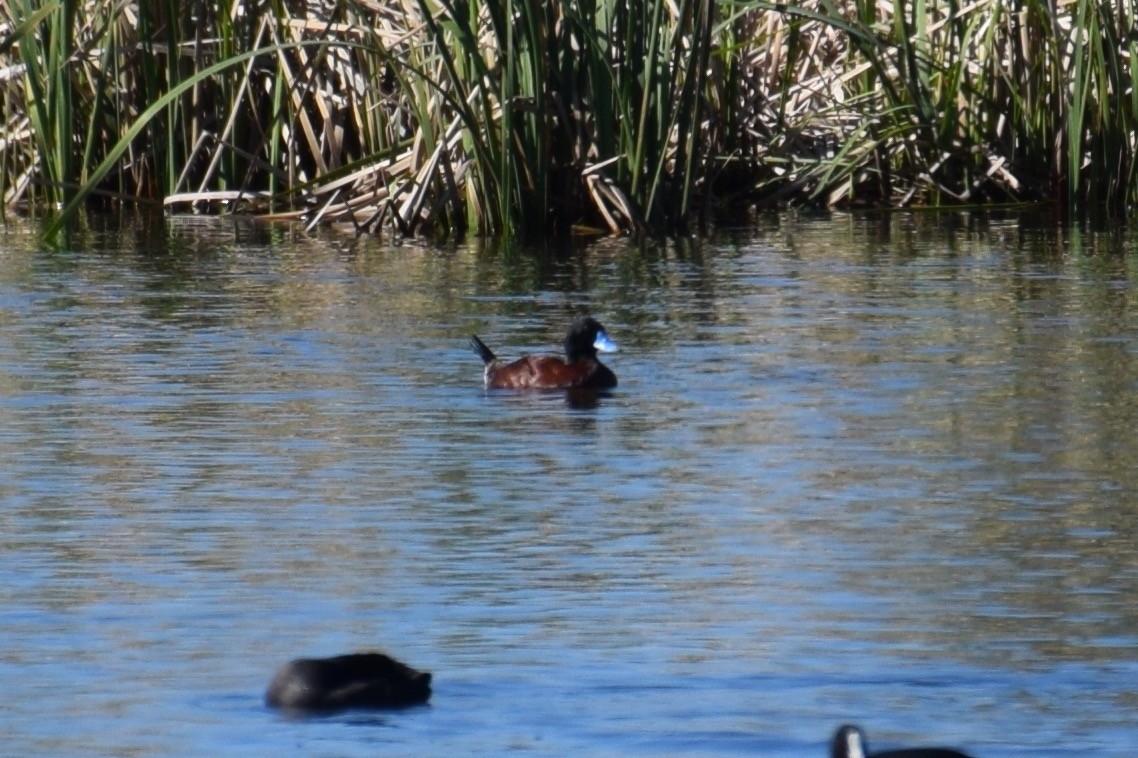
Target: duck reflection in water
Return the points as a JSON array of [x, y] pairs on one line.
[[579, 369], [849, 742]]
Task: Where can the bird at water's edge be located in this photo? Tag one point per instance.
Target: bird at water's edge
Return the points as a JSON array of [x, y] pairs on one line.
[[580, 367]]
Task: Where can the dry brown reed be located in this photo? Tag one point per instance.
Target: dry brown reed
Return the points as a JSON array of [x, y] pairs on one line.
[[627, 116]]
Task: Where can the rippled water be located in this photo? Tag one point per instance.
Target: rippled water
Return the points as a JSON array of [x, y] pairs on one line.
[[858, 469]]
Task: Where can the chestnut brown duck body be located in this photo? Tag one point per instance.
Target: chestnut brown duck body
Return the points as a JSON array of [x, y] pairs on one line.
[[579, 368]]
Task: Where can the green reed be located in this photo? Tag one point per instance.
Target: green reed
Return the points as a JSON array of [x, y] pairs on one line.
[[515, 117], [951, 102]]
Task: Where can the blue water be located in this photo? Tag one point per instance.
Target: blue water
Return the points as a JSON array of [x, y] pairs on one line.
[[857, 469]]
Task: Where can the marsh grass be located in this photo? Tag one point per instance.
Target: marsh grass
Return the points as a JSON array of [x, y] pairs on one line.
[[515, 117]]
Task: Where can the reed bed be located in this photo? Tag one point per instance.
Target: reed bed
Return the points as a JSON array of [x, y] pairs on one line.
[[512, 117]]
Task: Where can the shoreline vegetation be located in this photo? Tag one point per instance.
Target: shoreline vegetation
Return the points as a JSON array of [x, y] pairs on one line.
[[521, 118]]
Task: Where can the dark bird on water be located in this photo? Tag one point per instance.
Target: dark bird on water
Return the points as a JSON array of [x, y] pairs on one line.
[[357, 680], [849, 742]]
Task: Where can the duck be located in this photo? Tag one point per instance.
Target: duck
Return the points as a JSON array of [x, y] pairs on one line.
[[579, 369], [849, 742], [355, 680]]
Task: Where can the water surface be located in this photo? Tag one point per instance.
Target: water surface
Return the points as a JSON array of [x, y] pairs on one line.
[[857, 468]]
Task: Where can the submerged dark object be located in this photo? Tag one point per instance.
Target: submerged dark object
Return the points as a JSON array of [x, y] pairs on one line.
[[849, 742], [356, 680], [579, 369]]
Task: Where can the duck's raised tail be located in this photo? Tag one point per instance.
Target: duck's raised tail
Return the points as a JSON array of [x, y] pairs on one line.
[[478, 346]]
